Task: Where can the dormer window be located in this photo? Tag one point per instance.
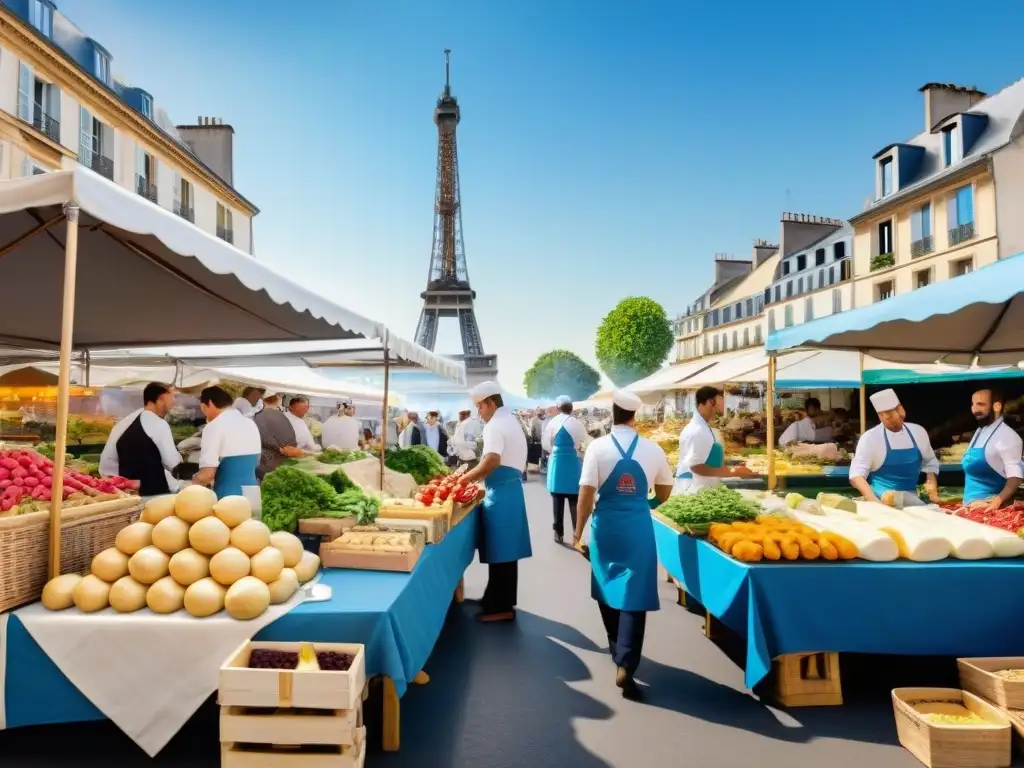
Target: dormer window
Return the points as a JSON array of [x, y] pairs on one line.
[[147, 105], [886, 174], [801, 262], [102, 67], [40, 16], [951, 147]]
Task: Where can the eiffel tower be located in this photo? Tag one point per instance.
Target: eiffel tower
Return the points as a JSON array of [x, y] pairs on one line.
[[448, 293]]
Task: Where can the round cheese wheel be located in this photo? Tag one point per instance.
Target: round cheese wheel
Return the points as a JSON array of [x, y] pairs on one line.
[[233, 510], [170, 535], [157, 509], [127, 595], [148, 565], [307, 567], [204, 598], [59, 592], [229, 565], [134, 537], [250, 536], [267, 564], [247, 598], [289, 545], [92, 594], [166, 595], [194, 502], [209, 536], [188, 566], [110, 565], [287, 583]]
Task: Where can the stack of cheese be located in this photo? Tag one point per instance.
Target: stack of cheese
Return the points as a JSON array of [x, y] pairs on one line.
[[190, 551]]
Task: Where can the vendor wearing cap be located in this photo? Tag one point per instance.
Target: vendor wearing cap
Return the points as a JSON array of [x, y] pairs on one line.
[[504, 529], [892, 455], [462, 447], [342, 430], [701, 456], [562, 440], [992, 463], [618, 469]]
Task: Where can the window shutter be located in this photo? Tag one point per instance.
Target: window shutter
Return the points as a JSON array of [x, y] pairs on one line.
[[85, 150], [140, 162], [25, 92], [26, 166], [176, 187]]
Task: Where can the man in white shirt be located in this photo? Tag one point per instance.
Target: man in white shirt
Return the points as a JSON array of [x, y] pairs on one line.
[[342, 430], [462, 447], [701, 457], [249, 403], [405, 439], [298, 406], [891, 456], [141, 447], [618, 470], [504, 528], [803, 430], [431, 434], [992, 463], [563, 439], [231, 447]]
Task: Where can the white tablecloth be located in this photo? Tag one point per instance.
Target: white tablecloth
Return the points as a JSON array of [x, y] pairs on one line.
[[147, 672]]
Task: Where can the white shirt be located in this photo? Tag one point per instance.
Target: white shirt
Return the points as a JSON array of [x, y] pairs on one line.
[[230, 434], [602, 456], [870, 453], [695, 444], [244, 407], [433, 435], [303, 437], [463, 442], [158, 430], [1003, 452], [504, 435], [572, 425], [341, 432], [405, 439], [802, 431]]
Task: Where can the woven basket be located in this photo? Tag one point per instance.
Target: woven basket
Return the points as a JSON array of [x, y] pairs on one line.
[[952, 746], [85, 532]]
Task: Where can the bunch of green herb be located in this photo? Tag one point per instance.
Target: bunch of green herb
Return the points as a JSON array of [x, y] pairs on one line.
[[340, 481], [289, 495], [334, 456], [420, 461], [695, 513]]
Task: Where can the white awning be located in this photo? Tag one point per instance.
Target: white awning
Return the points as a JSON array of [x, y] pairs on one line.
[[667, 379]]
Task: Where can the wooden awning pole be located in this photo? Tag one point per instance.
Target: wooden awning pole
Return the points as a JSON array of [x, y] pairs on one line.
[[384, 411], [770, 422], [863, 398]]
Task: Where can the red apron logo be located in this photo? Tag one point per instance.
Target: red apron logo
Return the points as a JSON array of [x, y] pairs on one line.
[[627, 484]]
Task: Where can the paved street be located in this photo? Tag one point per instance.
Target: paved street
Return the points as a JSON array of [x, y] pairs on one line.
[[541, 693]]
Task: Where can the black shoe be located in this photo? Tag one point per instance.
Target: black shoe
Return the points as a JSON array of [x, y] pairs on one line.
[[559, 538]]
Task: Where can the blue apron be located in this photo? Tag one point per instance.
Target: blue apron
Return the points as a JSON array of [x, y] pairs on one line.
[[235, 473], [715, 459], [623, 555], [900, 469], [980, 480], [504, 529], [564, 467]]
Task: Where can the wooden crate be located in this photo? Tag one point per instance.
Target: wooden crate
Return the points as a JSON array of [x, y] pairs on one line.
[[952, 746], [252, 725], [302, 756], [441, 516], [328, 527], [425, 528], [977, 675], [808, 680], [243, 687], [332, 555]]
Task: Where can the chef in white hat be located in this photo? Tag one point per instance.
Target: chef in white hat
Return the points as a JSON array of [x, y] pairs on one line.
[[892, 455], [504, 529], [618, 471], [563, 439]]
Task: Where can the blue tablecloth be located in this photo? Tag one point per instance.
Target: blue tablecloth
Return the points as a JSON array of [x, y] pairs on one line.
[[948, 608], [397, 616]]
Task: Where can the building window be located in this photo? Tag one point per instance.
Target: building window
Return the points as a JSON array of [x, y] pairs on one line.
[[184, 199], [95, 144], [40, 16], [788, 315], [757, 334], [789, 289], [38, 103], [921, 231], [778, 292], [819, 257], [922, 278], [950, 145], [845, 269], [821, 278], [102, 67], [885, 170], [808, 309], [837, 301], [746, 337], [735, 339], [768, 295], [717, 342], [885, 290], [799, 286], [750, 308], [961, 215], [32, 167], [831, 275], [225, 231], [801, 262], [145, 175], [961, 267], [147, 106], [885, 237], [727, 314], [785, 268], [839, 250], [771, 320]]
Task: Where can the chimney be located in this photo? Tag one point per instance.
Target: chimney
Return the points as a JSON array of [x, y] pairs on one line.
[[944, 99], [213, 143], [762, 250]]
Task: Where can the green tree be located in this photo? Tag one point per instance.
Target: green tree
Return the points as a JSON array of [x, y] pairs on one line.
[[560, 372], [633, 340]]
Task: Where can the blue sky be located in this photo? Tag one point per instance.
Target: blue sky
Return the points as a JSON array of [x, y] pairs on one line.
[[606, 149]]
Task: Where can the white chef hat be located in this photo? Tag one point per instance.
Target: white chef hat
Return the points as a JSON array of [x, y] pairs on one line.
[[886, 400], [483, 390], [627, 401], [563, 400]]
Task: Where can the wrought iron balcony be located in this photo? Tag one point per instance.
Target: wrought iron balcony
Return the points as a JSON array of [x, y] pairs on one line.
[[45, 124], [104, 166], [145, 189], [228, 235], [921, 247], [961, 234], [186, 212]]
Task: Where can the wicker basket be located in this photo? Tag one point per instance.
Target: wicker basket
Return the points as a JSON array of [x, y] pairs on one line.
[[952, 746], [85, 532], [978, 676]]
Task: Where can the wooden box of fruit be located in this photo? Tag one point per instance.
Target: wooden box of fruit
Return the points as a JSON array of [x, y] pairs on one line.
[[373, 548], [439, 516], [950, 728], [293, 675], [999, 680]]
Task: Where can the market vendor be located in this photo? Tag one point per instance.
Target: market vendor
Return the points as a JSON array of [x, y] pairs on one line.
[[431, 434], [892, 455], [462, 447], [504, 528], [141, 446], [231, 446], [249, 403], [562, 440], [992, 463], [803, 430], [298, 407], [701, 456], [618, 469], [342, 430], [277, 438]]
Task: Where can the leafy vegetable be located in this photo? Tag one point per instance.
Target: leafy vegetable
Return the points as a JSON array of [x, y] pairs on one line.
[[356, 503], [420, 461], [289, 495], [696, 512], [334, 456], [340, 481]]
